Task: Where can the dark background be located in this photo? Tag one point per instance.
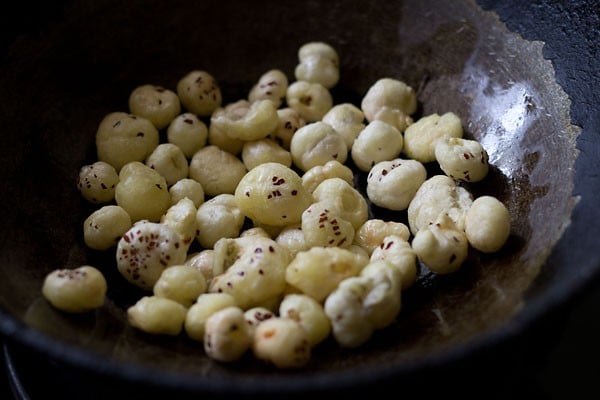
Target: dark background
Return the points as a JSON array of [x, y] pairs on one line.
[[559, 357]]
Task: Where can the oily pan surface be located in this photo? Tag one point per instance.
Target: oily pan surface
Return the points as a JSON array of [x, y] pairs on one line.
[[59, 84]]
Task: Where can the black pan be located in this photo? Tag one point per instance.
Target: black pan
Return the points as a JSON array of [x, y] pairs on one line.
[[521, 76]]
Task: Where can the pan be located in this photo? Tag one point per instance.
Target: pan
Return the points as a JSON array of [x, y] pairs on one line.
[[519, 76]]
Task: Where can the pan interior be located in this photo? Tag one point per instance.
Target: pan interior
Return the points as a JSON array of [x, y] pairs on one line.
[[59, 84]]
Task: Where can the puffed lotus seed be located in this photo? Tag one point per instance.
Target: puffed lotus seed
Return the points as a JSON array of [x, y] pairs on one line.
[[219, 217], [319, 63], [462, 159], [324, 226], [189, 188], [331, 169], [315, 144], [372, 233], [441, 246], [199, 93], [105, 226], [246, 121], [257, 152], [436, 196], [76, 290], [393, 184], [282, 342], [142, 192], [122, 138], [203, 261], [169, 161], [272, 85], [289, 122], [390, 93], [272, 194], [487, 224], [347, 120], [421, 137], [188, 133], [317, 271], [309, 314], [341, 197], [157, 315], [155, 103], [206, 304], [310, 100], [145, 250], [227, 335], [379, 141], [217, 170], [97, 182], [399, 253], [181, 283]]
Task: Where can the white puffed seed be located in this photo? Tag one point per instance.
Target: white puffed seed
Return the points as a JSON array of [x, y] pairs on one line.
[[317, 271], [347, 120], [315, 144], [310, 100], [157, 315], [379, 141], [263, 151], [122, 138], [169, 161], [462, 159], [393, 184], [199, 93], [421, 137], [282, 342], [292, 238], [155, 103], [360, 305], [203, 261], [146, 250], [246, 121], [97, 182], [309, 314], [487, 224], [438, 195], [344, 308], [142, 192], [393, 116], [441, 246], [217, 137], [383, 301], [399, 253], [331, 169], [189, 188], [188, 133], [181, 283], [255, 315], [391, 93], [217, 170], [105, 226], [254, 269], [272, 194], [341, 197], [76, 290], [272, 85], [206, 304], [289, 122], [324, 226], [319, 63], [181, 217], [372, 233], [219, 217], [227, 336]]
